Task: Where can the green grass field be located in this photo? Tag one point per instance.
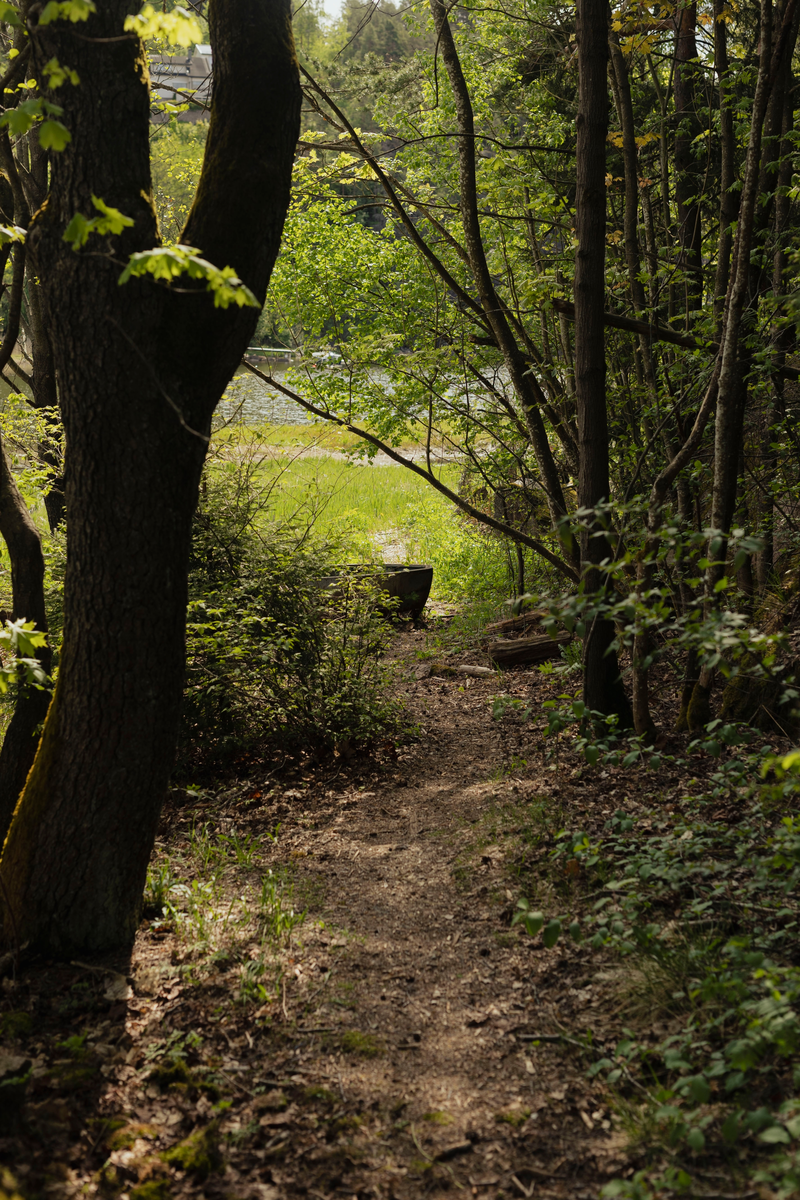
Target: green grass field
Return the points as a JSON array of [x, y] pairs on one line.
[[372, 512], [373, 500]]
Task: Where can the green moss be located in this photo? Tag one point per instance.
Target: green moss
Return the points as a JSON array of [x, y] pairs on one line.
[[15, 1025], [171, 1072], [346, 1125], [197, 1154], [124, 1135], [438, 1118], [364, 1044], [320, 1093], [153, 1189], [513, 1116]]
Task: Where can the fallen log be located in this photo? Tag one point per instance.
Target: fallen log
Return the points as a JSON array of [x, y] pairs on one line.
[[509, 624], [512, 652]]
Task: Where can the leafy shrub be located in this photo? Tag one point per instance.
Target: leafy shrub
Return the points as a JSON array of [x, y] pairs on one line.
[[271, 659]]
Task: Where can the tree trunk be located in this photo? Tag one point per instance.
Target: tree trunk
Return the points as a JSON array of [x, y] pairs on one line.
[[140, 369], [728, 199], [602, 687], [783, 339], [524, 382], [731, 389], [27, 580], [45, 395], [687, 182]]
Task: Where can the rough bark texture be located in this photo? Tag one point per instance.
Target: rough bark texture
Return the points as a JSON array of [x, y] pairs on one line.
[[140, 371], [602, 686]]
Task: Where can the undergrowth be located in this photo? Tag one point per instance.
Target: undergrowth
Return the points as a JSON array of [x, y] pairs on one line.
[[229, 910], [274, 662], [700, 902]]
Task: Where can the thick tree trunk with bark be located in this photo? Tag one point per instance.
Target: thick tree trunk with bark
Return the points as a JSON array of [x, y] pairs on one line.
[[602, 687], [140, 370]]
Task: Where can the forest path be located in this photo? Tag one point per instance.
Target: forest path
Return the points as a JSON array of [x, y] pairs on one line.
[[423, 1025], [382, 1049]]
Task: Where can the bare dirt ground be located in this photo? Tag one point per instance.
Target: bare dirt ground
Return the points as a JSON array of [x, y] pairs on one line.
[[404, 1041]]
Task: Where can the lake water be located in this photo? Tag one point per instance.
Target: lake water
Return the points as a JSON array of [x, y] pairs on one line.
[[260, 403]]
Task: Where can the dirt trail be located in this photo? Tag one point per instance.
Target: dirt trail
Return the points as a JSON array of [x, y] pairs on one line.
[[397, 1058], [448, 991]]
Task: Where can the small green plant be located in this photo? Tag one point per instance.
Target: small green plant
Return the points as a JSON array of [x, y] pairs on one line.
[[158, 889], [243, 848], [253, 988], [152, 1189], [276, 914]]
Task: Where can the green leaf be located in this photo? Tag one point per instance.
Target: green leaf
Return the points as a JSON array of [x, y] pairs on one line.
[[53, 135], [575, 932], [533, 922], [696, 1140], [67, 10], [551, 933], [793, 1126], [699, 1090], [179, 27], [168, 262], [774, 1135], [112, 220], [78, 230], [730, 1127], [9, 14], [58, 75], [11, 233], [20, 119]]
